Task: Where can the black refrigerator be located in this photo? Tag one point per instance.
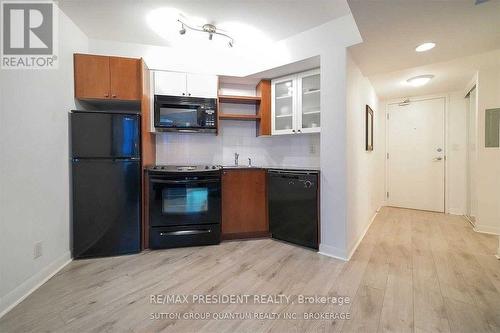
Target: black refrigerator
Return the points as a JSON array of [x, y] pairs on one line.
[[106, 182]]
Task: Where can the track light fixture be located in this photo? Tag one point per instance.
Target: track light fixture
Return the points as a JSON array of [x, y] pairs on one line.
[[210, 29], [183, 30]]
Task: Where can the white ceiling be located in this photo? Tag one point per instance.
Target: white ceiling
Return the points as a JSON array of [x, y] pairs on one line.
[[126, 20], [392, 29], [295, 67], [453, 75]]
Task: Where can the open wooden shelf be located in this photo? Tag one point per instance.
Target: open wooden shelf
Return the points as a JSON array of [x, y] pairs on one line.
[[248, 117], [239, 99], [261, 102]]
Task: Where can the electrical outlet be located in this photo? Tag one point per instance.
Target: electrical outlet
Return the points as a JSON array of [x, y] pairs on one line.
[[37, 250], [312, 149]]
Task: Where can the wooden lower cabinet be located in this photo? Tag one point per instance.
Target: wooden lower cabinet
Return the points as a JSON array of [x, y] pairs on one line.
[[244, 204]]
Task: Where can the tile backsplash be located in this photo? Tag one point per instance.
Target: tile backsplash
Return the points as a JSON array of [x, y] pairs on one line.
[[238, 137]]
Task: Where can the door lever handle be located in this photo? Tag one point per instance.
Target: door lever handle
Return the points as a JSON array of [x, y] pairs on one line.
[[438, 159]]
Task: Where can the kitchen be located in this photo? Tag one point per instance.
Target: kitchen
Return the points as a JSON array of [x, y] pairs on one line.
[[195, 201], [240, 166]]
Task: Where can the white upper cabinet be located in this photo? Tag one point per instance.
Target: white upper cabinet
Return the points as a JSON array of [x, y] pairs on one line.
[[201, 85], [185, 84], [170, 83], [283, 105], [309, 87], [295, 103]]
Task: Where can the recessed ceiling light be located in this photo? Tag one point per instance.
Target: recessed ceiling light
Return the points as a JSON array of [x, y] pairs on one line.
[[420, 80], [425, 47]]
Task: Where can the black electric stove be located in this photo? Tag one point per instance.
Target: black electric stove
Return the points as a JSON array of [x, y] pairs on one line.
[[184, 168], [184, 205]]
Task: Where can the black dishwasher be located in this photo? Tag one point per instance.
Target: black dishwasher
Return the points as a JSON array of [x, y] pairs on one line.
[[293, 206]]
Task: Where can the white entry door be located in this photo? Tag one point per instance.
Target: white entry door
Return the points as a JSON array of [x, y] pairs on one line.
[[416, 155]]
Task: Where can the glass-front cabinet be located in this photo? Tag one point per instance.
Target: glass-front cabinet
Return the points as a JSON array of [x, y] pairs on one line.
[[284, 97], [295, 103]]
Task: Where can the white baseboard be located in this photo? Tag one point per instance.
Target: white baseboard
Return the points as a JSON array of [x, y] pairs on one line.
[[360, 238], [487, 229], [456, 211], [498, 251], [16, 296], [332, 251]]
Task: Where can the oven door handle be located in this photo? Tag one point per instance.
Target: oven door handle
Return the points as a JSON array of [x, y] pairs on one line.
[[185, 232], [201, 181]]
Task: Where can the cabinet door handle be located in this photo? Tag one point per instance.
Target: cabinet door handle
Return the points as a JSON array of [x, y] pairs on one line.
[[114, 96], [189, 94], [293, 131], [183, 94], [299, 131], [106, 95]]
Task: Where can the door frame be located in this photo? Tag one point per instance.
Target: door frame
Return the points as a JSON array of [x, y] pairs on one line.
[[446, 98], [473, 84]]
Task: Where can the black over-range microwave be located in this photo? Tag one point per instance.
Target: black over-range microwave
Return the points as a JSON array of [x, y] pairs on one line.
[[185, 114]]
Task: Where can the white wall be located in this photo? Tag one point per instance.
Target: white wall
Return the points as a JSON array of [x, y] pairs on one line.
[[488, 159], [365, 170], [34, 178], [238, 137], [329, 41]]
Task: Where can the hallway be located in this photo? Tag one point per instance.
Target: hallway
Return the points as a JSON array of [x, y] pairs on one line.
[[426, 272], [413, 272]]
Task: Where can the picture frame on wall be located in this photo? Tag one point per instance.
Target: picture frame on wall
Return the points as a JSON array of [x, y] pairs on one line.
[[369, 129]]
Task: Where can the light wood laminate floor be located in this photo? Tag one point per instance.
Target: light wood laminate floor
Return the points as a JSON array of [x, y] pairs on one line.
[[413, 272]]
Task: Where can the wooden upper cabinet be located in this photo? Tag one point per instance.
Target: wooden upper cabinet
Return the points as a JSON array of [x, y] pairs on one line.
[[244, 204], [102, 77], [263, 90], [92, 79], [125, 78]]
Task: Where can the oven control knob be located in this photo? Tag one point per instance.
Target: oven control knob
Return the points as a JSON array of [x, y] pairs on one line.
[[206, 167]]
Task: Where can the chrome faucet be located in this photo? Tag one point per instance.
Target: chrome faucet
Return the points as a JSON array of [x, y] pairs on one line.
[[236, 155], [249, 162]]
